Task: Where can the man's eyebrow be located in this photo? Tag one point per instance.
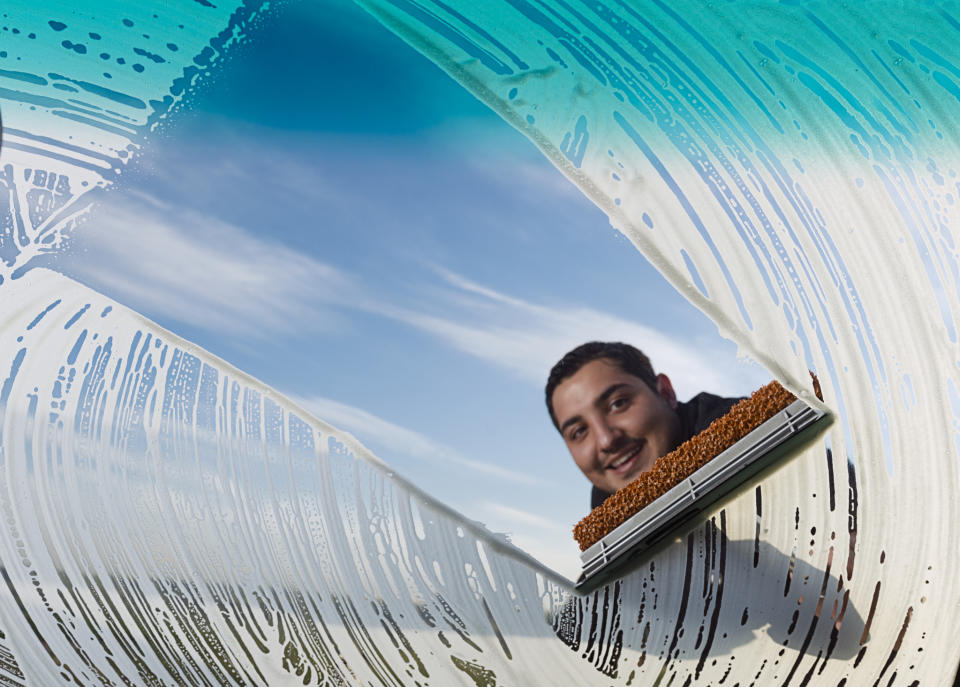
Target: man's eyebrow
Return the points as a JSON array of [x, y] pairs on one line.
[[610, 391], [575, 419], [607, 393]]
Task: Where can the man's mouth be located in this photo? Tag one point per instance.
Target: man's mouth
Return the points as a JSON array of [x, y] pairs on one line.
[[626, 461]]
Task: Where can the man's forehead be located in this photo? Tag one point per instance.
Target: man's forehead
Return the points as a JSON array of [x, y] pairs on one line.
[[591, 382]]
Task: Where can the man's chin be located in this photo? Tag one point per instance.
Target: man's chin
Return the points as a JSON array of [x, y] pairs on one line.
[[620, 481], [618, 484]]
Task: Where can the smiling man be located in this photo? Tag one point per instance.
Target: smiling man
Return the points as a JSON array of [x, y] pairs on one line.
[[617, 416]]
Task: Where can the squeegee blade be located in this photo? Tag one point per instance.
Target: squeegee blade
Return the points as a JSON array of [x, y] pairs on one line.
[[771, 442]]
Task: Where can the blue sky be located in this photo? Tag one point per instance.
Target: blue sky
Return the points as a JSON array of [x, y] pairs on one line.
[[334, 215]]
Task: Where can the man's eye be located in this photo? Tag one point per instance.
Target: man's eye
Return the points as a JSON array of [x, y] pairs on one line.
[[576, 433], [618, 403]]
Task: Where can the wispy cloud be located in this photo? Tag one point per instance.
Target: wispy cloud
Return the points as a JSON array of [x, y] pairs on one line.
[[521, 517], [528, 338], [371, 429], [196, 269]]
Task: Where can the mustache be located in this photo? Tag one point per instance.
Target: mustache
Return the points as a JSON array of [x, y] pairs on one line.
[[623, 445]]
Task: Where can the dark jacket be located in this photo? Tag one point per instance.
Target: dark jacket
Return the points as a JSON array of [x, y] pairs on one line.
[[695, 416]]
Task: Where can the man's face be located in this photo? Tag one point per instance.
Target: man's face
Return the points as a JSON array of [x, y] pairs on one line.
[[614, 424]]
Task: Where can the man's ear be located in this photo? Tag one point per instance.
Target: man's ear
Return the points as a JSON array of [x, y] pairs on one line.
[[665, 389]]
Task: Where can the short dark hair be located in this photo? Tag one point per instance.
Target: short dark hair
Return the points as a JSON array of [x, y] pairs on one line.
[[628, 358]]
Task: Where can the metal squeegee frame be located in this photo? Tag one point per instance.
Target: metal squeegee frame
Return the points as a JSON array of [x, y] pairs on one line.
[[706, 482]]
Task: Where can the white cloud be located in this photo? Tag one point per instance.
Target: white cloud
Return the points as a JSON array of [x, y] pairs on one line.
[[516, 515], [528, 338], [370, 429], [196, 269]]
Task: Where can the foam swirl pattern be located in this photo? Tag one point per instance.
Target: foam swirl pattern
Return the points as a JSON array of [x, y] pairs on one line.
[[792, 169], [169, 520]]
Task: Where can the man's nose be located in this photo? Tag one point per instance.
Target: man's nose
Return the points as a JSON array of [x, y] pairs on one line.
[[606, 435]]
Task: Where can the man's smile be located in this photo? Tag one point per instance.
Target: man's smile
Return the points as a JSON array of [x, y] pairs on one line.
[[624, 461]]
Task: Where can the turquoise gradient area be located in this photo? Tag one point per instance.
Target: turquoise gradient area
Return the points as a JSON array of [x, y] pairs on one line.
[[691, 68], [120, 68], [330, 67], [81, 87]]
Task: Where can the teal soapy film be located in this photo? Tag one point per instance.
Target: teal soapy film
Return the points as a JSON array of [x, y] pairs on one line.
[[790, 168]]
